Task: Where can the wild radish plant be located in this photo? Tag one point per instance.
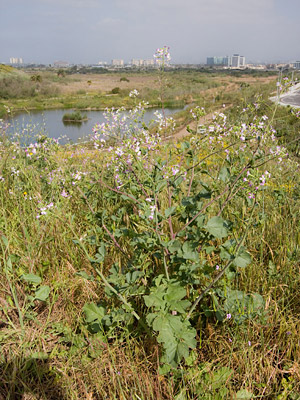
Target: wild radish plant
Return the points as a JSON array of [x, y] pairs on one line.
[[165, 210]]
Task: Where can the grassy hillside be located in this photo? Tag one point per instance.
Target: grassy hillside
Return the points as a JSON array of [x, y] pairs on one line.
[[7, 70], [141, 268]]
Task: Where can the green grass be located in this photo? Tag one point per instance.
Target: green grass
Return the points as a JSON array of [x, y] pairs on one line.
[[46, 348]]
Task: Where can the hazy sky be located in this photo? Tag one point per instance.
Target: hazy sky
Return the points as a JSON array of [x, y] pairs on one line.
[[87, 31]]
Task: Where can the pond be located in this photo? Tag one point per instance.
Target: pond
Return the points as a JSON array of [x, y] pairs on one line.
[[49, 123]]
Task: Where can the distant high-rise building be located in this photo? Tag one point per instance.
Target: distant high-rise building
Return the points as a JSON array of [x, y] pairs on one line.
[[61, 64], [242, 61], [137, 63], [235, 61], [15, 60], [149, 63], [117, 63], [238, 61], [217, 60], [297, 64], [142, 63]]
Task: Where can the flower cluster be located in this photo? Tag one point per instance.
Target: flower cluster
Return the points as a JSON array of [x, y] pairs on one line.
[[295, 112], [119, 125], [284, 84], [133, 93], [134, 149], [197, 113], [162, 56], [44, 209], [253, 182], [164, 124]]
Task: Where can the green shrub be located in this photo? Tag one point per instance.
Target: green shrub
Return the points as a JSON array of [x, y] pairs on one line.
[[116, 90], [74, 117]]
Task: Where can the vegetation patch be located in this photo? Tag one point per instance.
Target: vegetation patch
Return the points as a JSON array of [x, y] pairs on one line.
[[74, 117], [143, 267]]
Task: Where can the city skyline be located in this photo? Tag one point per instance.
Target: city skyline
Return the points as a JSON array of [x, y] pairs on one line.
[[85, 31]]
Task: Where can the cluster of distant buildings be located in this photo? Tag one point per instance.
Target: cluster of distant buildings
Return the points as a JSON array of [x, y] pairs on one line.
[[115, 63], [16, 61], [135, 62], [239, 62], [235, 61]]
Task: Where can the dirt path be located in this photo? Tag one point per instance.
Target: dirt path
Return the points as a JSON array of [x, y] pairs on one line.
[[182, 131]]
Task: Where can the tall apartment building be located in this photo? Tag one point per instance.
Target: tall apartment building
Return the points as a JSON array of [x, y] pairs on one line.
[[297, 64], [137, 63], [117, 63], [15, 60], [235, 61], [238, 61], [149, 63], [142, 63], [217, 61]]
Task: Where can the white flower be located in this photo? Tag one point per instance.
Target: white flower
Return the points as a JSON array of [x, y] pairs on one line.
[[133, 93]]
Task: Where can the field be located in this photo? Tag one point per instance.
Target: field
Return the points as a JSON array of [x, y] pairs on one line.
[[31, 89], [160, 263]]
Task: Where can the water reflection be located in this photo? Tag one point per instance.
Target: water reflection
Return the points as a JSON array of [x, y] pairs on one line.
[[50, 123]]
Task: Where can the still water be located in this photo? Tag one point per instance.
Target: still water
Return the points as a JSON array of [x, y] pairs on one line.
[[49, 123]]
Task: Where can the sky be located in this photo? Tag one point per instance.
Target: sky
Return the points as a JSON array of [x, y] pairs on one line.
[[89, 31]]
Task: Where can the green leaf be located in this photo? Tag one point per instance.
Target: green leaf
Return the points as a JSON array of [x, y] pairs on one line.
[[182, 351], [171, 352], [189, 250], [156, 298], [150, 318], [224, 174], [244, 394], [175, 292], [84, 275], [164, 369], [169, 211], [217, 227], [131, 198], [178, 181], [93, 312], [162, 325], [9, 264], [220, 377], [200, 221], [42, 293], [4, 240], [160, 185], [242, 259], [174, 246], [100, 255], [31, 278], [40, 355]]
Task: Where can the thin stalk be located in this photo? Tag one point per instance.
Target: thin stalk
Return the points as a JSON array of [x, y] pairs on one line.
[[170, 218]]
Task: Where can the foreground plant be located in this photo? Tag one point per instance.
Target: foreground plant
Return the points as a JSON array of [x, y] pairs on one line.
[[153, 241], [179, 251]]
